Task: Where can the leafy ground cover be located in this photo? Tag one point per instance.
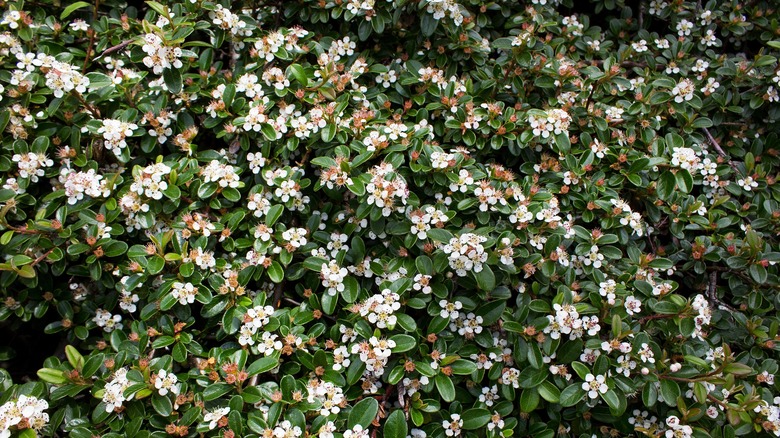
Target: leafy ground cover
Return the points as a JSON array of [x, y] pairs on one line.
[[364, 218]]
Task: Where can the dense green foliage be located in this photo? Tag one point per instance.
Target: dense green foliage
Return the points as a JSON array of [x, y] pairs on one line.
[[389, 218]]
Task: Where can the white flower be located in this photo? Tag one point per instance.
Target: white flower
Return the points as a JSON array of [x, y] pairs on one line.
[[595, 385], [213, 416], [165, 382], [453, 426]]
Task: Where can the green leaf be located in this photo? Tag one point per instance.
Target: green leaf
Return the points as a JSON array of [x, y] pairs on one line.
[[215, 391], [486, 280], [75, 358], [275, 272], [155, 265], [403, 343], [351, 289], [445, 387], [462, 367], [172, 79], [550, 392], [571, 395], [162, 404], [73, 7], [666, 185], [684, 180], [616, 403], [329, 303], [529, 400], [262, 365], [395, 426], [52, 375], [475, 418], [363, 413], [670, 390], [273, 214]]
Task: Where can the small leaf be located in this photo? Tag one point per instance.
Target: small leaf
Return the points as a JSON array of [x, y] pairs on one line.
[[172, 78], [475, 418], [403, 343], [445, 387], [73, 7], [395, 426], [363, 413]]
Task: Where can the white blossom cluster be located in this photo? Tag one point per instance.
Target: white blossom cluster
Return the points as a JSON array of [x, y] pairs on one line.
[[556, 121], [375, 352], [149, 181], [466, 253], [223, 174], [229, 22], [32, 165], [445, 8], [184, 292], [254, 319], [26, 412], [159, 56], [329, 395], [332, 276], [77, 184], [63, 78], [107, 321], [113, 395], [379, 308], [771, 414], [567, 321], [422, 219], [704, 316], [114, 133], [386, 189]]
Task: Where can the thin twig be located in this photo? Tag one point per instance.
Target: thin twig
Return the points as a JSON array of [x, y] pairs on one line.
[[719, 149], [712, 293], [278, 291], [42, 256], [644, 319], [113, 49], [92, 34]]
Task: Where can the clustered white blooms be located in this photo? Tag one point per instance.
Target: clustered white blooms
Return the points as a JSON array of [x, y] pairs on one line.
[[379, 308], [704, 316], [160, 56], [32, 165], [422, 219], [166, 382], [445, 8], [62, 77], [184, 292], [113, 395], [229, 21], [77, 184], [26, 412], [555, 121], [771, 414], [149, 180], [115, 132], [628, 217], [223, 174], [328, 394], [375, 352], [386, 189], [107, 321], [677, 430], [254, 319], [332, 276], [466, 253], [567, 321]]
